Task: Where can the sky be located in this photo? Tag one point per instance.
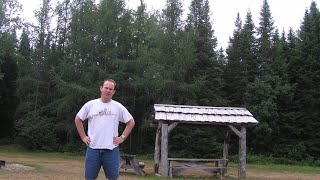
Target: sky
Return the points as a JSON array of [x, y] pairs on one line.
[[285, 13]]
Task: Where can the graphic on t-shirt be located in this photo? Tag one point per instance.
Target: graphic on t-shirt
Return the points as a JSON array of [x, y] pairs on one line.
[[104, 112]]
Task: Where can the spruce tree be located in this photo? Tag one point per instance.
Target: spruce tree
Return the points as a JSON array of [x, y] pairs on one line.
[[9, 23], [265, 32], [206, 66], [307, 80], [234, 72], [261, 93]]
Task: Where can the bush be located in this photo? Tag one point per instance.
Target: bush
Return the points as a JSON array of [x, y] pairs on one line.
[[5, 141], [36, 133], [264, 160]]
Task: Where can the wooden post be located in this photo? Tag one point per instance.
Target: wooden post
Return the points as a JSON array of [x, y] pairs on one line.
[[157, 148], [242, 150], [226, 152], [164, 150], [242, 153], [226, 146]]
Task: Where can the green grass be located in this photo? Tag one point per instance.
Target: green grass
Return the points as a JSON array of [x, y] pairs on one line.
[[15, 149], [285, 168]]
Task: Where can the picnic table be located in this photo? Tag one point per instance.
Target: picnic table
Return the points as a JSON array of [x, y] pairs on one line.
[[129, 161]]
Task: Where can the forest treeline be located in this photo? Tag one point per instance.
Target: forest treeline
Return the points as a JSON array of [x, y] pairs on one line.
[[51, 67]]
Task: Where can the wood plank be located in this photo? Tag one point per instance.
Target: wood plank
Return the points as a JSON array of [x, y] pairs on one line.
[[174, 170], [235, 130], [136, 167], [172, 126], [195, 160], [198, 167]]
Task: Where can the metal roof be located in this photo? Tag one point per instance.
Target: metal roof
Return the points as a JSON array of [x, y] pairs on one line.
[[203, 114]]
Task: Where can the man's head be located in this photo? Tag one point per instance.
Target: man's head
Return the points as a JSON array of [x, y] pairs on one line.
[[107, 90]]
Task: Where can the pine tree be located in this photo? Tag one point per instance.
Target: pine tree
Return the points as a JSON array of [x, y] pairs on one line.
[[265, 32], [34, 110], [9, 23], [307, 80], [249, 49], [140, 23], [206, 67], [261, 94], [63, 10], [234, 72], [8, 97]]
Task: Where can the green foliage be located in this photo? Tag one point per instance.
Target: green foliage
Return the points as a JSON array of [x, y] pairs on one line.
[[196, 142], [8, 73], [271, 160], [36, 133], [305, 73], [206, 63], [5, 141]]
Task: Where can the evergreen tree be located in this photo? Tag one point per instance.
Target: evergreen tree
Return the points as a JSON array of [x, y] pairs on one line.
[[234, 72], [307, 79], [9, 23], [34, 110], [169, 50], [63, 10], [139, 32], [261, 94], [8, 97], [242, 66], [82, 38], [77, 41], [25, 75], [172, 24], [284, 124], [110, 14], [265, 32], [206, 66], [249, 49]]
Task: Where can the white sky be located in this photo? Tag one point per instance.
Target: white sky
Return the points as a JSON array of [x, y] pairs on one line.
[[285, 13]]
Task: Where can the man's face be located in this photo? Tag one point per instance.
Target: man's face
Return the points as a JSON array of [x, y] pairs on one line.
[[107, 90]]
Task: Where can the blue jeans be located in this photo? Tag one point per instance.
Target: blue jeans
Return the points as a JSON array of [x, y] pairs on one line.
[[108, 159]]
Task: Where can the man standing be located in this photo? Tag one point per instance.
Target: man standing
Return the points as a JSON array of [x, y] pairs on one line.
[[103, 115]]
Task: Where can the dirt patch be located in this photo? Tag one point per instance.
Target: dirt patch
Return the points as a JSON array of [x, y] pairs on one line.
[[16, 168]]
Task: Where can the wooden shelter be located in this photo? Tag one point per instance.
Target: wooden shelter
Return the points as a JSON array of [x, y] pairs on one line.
[[169, 116]]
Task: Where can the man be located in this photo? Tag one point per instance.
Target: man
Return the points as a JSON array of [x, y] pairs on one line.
[[103, 115]]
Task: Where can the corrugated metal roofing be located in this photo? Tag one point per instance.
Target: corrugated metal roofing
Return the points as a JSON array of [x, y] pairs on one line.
[[203, 114]]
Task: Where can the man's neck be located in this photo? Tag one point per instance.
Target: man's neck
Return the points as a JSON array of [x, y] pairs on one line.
[[105, 100]]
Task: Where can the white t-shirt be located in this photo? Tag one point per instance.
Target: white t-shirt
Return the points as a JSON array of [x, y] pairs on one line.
[[103, 121]]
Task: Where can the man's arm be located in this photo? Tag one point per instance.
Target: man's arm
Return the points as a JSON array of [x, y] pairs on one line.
[[127, 130], [80, 129], [129, 126]]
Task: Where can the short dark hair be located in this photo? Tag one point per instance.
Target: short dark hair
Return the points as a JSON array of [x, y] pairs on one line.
[[111, 80]]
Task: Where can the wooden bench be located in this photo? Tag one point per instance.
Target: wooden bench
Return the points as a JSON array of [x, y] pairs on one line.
[[218, 166], [130, 162]]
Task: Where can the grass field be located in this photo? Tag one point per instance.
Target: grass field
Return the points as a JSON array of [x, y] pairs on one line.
[[43, 166]]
